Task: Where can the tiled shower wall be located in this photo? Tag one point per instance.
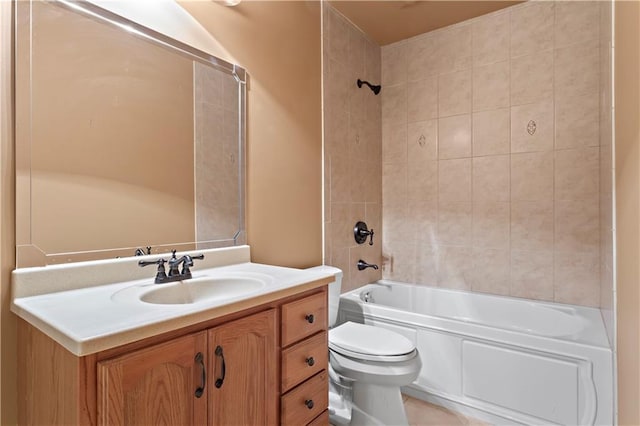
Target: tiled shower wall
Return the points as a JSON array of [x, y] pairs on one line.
[[606, 165], [491, 153], [352, 147]]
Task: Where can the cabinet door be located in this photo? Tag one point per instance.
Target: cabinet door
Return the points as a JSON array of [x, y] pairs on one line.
[[243, 356], [156, 385]]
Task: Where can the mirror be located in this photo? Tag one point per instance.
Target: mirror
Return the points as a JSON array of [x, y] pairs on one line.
[[125, 138]]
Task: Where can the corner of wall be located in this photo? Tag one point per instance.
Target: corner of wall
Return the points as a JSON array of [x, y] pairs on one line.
[[8, 330]]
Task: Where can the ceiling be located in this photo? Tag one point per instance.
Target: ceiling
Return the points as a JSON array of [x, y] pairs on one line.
[[390, 21]]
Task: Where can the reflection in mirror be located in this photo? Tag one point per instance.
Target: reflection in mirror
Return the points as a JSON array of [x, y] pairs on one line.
[[125, 139]]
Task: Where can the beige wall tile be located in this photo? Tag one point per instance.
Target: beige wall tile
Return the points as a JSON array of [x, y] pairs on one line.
[[356, 56], [490, 271], [455, 268], [358, 180], [340, 259], [336, 132], [531, 78], [541, 113], [577, 227], [422, 99], [531, 225], [394, 143], [454, 93], [395, 223], [423, 220], [490, 177], [491, 132], [453, 49], [426, 265], [422, 141], [394, 104], [454, 180], [454, 223], [337, 85], [491, 225], [576, 279], [532, 28], [400, 260], [490, 38], [454, 137], [422, 180], [373, 217], [577, 174], [394, 64], [394, 184], [577, 69], [576, 21], [532, 274], [532, 176], [340, 179], [491, 86], [421, 52], [340, 215], [577, 122], [338, 36]]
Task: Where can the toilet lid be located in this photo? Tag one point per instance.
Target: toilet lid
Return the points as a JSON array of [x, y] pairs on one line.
[[368, 340]]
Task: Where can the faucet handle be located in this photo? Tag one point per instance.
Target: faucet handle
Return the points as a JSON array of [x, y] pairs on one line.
[[188, 262], [161, 275]]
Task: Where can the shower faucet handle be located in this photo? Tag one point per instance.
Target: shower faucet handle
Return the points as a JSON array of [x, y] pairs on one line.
[[361, 232]]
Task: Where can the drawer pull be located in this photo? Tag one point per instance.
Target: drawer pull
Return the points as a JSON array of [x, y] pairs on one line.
[[310, 361], [220, 381], [200, 360], [309, 318], [309, 404]]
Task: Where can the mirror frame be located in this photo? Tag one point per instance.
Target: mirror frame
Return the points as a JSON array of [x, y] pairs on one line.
[[27, 252]]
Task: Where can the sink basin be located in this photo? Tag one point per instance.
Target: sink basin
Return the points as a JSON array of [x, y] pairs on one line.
[[201, 289]]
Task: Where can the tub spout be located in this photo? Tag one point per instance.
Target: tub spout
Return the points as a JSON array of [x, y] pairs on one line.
[[362, 265]]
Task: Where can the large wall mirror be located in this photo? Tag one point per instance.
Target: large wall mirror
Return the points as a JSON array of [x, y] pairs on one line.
[[125, 138]]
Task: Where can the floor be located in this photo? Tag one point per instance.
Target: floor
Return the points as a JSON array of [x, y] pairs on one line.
[[422, 413]]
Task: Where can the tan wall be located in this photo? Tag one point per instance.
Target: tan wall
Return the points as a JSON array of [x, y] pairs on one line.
[[474, 197], [352, 149], [279, 45], [627, 164], [8, 356]]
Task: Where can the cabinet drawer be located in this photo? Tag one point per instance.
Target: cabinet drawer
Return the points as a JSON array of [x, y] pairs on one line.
[[304, 403], [303, 318], [303, 360], [321, 420]]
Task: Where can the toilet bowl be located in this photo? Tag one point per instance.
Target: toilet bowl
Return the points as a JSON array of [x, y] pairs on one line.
[[373, 362]]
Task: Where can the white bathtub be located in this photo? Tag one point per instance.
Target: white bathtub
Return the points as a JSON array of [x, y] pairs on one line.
[[500, 359]]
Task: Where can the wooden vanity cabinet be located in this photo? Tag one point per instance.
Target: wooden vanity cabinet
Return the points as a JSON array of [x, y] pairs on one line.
[[255, 378], [173, 383]]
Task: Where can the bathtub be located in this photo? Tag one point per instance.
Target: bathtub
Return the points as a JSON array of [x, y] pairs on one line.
[[500, 359]]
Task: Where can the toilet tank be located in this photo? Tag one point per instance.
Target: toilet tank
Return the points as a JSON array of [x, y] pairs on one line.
[[334, 290]]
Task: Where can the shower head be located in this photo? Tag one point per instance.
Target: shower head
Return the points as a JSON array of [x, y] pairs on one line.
[[375, 89]]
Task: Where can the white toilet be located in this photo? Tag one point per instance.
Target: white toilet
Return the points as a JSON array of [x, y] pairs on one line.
[[373, 361]]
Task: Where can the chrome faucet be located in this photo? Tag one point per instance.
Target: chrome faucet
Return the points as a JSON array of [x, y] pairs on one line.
[[175, 274]]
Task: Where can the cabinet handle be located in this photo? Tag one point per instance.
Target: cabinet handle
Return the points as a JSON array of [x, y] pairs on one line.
[[310, 361], [200, 389], [309, 403], [309, 318], [220, 381]]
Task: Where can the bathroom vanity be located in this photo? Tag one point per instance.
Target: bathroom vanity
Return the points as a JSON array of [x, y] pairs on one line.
[[259, 358]]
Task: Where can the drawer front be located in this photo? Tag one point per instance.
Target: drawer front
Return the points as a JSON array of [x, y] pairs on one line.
[[303, 318], [303, 360], [304, 403], [321, 420]]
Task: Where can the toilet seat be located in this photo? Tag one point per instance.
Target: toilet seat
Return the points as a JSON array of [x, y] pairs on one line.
[[368, 343]]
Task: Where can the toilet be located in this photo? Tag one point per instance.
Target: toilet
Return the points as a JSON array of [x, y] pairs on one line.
[[371, 364]]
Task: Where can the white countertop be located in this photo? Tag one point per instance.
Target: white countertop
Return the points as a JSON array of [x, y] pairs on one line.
[[101, 316]]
